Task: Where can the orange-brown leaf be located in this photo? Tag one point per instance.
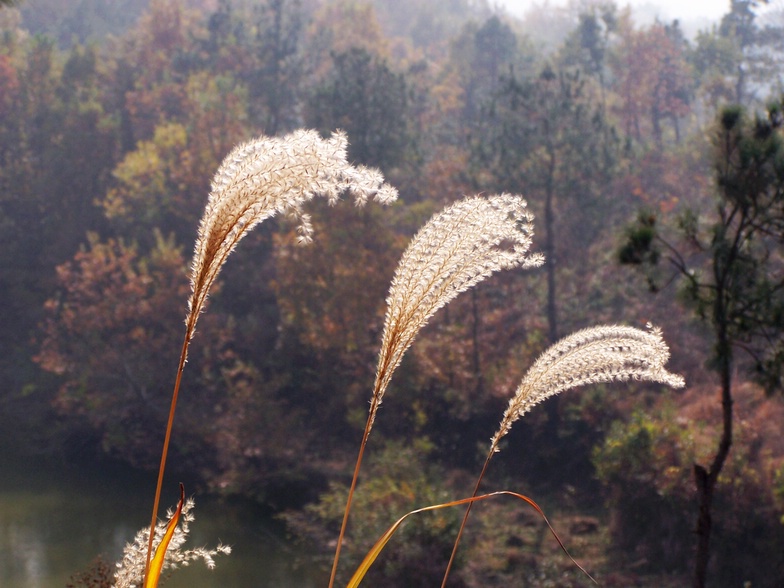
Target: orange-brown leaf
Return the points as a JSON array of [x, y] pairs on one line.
[[156, 565], [374, 552]]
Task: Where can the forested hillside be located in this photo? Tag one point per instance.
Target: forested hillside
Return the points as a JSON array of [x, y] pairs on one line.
[[631, 143]]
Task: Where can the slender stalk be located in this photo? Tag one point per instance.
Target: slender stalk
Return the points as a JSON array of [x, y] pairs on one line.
[[166, 440], [350, 498], [593, 355], [455, 250], [465, 517], [257, 180]]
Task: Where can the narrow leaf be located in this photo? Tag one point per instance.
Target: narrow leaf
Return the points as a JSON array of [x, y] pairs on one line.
[[374, 552], [455, 250], [156, 565]]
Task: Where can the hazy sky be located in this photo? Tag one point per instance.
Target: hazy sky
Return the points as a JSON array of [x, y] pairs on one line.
[[665, 9]]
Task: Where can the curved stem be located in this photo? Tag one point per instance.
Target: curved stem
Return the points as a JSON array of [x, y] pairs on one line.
[[465, 517], [165, 450]]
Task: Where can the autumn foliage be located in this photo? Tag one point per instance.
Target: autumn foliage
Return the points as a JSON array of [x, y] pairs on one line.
[[112, 125]]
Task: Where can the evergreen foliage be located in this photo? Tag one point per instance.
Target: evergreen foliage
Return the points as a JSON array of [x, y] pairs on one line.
[[113, 116]]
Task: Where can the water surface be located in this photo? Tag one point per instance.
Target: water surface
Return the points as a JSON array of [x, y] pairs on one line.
[[55, 518]]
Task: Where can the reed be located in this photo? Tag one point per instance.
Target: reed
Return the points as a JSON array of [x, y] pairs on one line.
[[455, 250], [134, 561], [591, 356], [256, 181]]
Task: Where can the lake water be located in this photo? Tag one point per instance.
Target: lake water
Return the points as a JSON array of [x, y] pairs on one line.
[[56, 518]]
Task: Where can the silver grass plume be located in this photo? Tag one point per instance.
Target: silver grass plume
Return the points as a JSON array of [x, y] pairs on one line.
[[457, 248], [269, 176], [130, 570], [257, 180], [591, 356]]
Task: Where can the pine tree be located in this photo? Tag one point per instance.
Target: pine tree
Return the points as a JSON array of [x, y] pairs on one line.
[[731, 274]]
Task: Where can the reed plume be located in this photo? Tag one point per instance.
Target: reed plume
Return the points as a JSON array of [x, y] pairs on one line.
[[131, 569], [458, 248], [268, 176], [590, 356], [455, 250], [257, 180]]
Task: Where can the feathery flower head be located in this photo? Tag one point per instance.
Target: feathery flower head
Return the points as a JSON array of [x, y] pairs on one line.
[[130, 571], [590, 356], [257, 180], [269, 176], [455, 250]]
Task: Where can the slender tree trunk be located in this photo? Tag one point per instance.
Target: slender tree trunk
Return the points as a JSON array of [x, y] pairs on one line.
[[656, 124], [739, 85], [273, 117], [676, 125], [477, 359], [706, 479], [553, 419], [549, 251]]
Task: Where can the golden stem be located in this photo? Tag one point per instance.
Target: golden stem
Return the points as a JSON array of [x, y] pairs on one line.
[[343, 526], [165, 450], [465, 518]]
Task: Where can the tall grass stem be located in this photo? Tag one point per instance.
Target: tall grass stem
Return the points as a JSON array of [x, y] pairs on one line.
[[166, 442]]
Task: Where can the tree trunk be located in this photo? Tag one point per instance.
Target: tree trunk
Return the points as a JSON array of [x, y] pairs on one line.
[[477, 359], [278, 53], [551, 264], [740, 85], [706, 479], [549, 252], [656, 124]]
